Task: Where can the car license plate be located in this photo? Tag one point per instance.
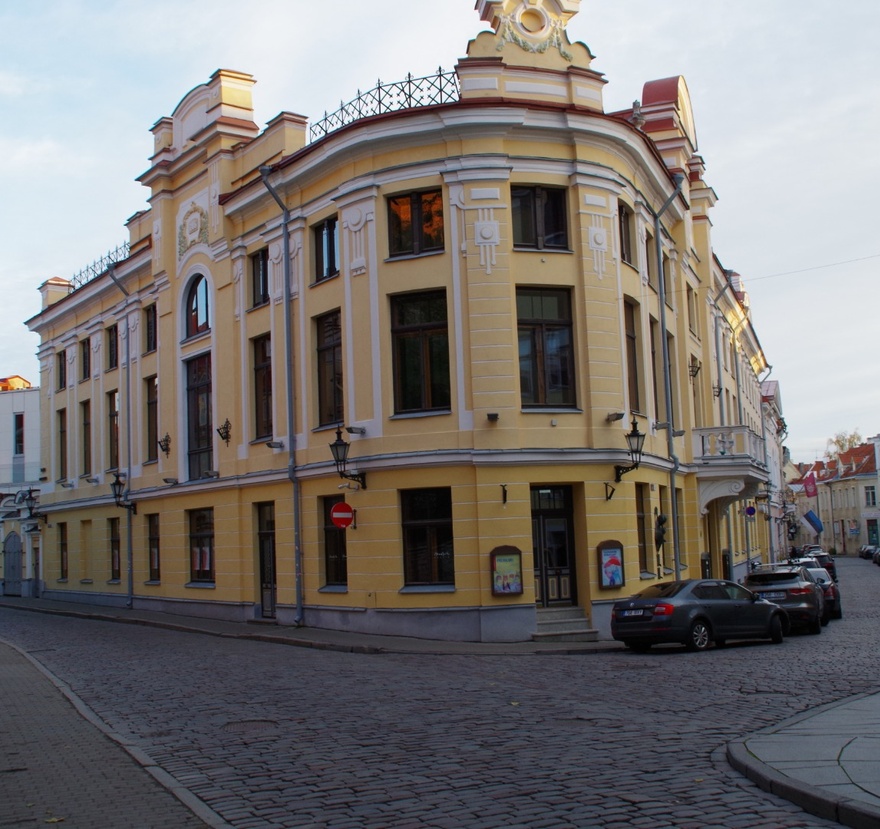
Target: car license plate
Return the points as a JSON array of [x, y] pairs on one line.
[[633, 612], [776, 594]]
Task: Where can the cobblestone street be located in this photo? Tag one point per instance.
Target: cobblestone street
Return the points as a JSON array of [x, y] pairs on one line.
[[273, 736]]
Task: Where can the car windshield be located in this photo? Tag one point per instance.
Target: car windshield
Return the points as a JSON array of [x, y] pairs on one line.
[[771, 577], [662, 591]]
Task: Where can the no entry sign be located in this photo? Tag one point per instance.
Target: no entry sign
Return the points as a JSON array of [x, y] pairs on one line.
[[341, 515]]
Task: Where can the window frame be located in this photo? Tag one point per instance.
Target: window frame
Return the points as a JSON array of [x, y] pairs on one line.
[[154, 551], [537, 354], [85, 358], [261, 348], [61, 366], [431, 527], [334, 546], [328, 351], [259, 272], [61, 425], [632, 331], [151, 329], [626, 218], [325, 236], [112, 398], [197, 312], [85, 410], [115, 545], [63, 552], [18, 433], [151, 405], [531, 208], [199, 415], [201, 553], [112, 335], [419, 243], [418, 373]]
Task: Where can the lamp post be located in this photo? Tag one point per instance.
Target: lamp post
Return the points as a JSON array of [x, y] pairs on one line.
[[339, 449], [635, 442]]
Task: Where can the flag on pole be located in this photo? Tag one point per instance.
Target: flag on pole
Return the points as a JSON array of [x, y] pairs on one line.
[[810, 486]]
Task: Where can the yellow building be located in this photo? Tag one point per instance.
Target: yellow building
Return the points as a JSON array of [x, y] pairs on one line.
[[459, 282]]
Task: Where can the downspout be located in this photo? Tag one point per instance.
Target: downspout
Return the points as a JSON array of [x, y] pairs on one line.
[[667, 375], [291, 397], [129, 602]]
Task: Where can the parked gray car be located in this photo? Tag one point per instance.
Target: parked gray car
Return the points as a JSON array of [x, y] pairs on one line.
[[793, 588], [695, 613]]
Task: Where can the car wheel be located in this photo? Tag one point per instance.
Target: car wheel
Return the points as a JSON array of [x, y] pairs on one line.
[[826, 616], [815, 626], [699, 636], [776, 635], [838, 611]]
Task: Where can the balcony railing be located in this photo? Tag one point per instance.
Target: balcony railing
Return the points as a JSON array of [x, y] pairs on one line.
[[441, 88], [721, 445], [99, 266]]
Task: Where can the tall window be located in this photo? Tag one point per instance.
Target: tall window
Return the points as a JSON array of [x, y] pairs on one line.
[[643, 518], [197, 311], [112, 336], [539, 217], [61, 366], [632, 355], [260, 277], [153, 546], [870, 496], [335, 557], [113, 532], [62, 551], [201, 545], [626, 221], [326, 249], [61, 416], [85, 359], [329, 368], [546, 354], [420, 337], [113, 429], [151, 395], [266, 544], [263, 387], [200, 429], [427, 536], [151, 331], [415, 223], [18, 433], [85, 412]]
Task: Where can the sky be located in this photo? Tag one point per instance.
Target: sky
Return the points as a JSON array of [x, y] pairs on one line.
[[784, 100]]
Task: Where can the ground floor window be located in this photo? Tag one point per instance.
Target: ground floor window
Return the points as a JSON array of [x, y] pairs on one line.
[[113, 531], [62, 552], [335, 553], [153, 546], [201, 545], [427, 536]]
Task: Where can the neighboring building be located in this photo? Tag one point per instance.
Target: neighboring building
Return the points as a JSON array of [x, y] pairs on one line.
[[20, 473], [845, 499], [480, 289]]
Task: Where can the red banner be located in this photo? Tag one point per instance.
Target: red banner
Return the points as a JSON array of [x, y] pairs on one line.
[[810, 486]]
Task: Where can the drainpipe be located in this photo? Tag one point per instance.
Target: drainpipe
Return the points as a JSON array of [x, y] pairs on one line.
[[667, 374], [129, 602], [291, 397]]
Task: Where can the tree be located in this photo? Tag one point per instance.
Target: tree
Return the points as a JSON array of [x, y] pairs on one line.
[[842, 442]]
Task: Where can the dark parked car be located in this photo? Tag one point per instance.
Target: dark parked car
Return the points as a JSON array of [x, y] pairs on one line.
[[695, 613], [867, 551], [833, 608], [791, 587], [825, 560]]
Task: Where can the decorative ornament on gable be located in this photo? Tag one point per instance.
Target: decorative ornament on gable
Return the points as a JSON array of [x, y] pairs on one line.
[[533, 25], [193, 229]]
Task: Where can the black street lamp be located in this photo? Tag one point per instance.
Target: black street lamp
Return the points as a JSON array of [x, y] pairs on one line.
[[339, 448], [635, 442], [119, 494]]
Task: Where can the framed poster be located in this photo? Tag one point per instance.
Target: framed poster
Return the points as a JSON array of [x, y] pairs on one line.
[[506, 563], [611, 573]]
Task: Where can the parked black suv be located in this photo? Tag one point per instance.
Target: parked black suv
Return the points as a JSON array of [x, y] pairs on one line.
[[795, 590]]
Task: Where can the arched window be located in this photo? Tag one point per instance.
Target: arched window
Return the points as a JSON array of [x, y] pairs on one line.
[[197, 317]]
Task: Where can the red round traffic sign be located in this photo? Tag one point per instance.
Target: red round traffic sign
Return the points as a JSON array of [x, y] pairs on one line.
[[341, 515]]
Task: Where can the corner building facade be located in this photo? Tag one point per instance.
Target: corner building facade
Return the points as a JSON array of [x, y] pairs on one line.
[[465, 288]]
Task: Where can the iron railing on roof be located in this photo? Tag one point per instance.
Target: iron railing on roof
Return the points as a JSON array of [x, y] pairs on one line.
[[440, 88], [99, 266]]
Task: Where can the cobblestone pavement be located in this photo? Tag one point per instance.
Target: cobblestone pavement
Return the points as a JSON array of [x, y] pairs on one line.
[[272, 736]]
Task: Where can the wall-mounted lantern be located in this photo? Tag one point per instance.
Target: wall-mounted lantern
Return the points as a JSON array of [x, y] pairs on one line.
[[339, 448]]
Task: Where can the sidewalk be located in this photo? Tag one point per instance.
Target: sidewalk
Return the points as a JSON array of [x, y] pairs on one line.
[[827, 761]]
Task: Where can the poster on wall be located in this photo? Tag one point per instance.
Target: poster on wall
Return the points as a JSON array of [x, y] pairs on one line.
[[611, 573], [506, 563]]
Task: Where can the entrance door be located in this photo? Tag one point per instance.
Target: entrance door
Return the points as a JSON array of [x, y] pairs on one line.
[[553, 543], [12, 565]]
